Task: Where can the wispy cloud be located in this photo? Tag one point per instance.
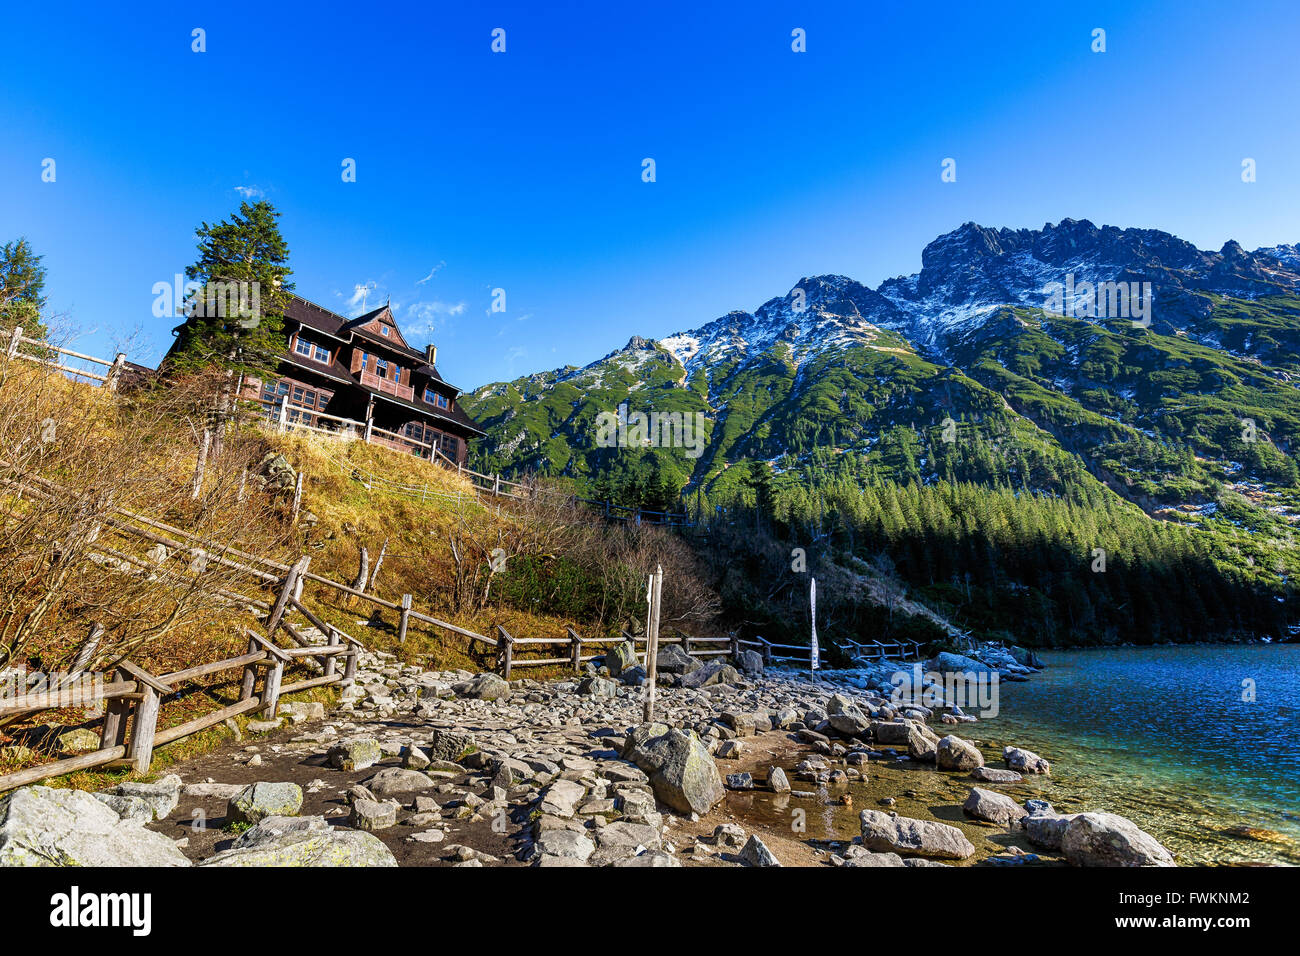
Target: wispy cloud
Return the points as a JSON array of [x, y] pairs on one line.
[[360, 299], [432, 272], [429, 316], [251, 192]]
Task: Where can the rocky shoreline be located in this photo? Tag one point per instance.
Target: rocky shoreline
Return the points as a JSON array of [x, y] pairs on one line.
[[417, 767]]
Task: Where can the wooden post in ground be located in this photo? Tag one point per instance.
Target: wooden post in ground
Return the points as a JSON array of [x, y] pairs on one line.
[[282, 418], [250, 670], [145, 725], [286, 591], [735, 644], [354, 657], [507, 644], [274, 677], [115, 370], [652, 642], [115, 716], [302, 578], [576, 643], [332, 636], [379, 563], [405, 619]]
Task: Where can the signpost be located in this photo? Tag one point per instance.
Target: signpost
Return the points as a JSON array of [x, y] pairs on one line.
[[812, 601], [652, 641]]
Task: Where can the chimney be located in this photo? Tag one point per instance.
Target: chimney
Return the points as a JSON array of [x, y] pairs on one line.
[[431, 354]]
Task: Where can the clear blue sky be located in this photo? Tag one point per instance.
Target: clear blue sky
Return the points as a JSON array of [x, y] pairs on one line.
[[522, 170]]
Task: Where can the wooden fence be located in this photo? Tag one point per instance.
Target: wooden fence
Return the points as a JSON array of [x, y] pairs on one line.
[[52, 356]]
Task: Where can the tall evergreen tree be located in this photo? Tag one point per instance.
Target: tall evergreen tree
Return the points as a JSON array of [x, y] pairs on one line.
[[235, 318], [22, 289]]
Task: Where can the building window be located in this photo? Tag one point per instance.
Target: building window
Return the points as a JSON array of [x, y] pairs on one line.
[[311, 350], [433, 398], [383, 330], [381, 367]]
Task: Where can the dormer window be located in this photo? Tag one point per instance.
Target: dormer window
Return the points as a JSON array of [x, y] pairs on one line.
[[311, 350], [383, 330], [434, 398]]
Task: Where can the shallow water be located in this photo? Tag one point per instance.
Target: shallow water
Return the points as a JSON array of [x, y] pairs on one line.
[[1164, 736]]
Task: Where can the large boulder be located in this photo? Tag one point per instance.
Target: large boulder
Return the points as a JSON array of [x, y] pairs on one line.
[[355, 753], [1025, 761], [40, 826], [892, 732], [161, 797], [993, 807], [449, 745], [598, 687], [260, 800], [681, 770], [620, 657], [953, 753], [395, 780], [1046, 830], [1107, 839], [673, 659], [715, 672], [483, 687], [749, 662], [309, 842], [847, 717], [884, 833]]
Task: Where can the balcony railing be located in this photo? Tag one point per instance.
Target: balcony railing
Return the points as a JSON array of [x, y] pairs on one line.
[[387, 386]]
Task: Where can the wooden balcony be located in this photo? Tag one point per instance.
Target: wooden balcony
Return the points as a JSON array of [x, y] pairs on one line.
[[387, 386]]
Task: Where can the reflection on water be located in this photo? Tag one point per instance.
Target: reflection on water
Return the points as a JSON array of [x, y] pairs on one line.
[[1169, 737], [1161, 735]]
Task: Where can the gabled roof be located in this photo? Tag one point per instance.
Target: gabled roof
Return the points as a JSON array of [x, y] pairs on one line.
[[320, 319]]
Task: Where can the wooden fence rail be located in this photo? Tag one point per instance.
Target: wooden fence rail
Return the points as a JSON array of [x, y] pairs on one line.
[[112, 369]]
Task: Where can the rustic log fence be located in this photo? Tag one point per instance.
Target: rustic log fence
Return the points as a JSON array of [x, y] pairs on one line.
[[112, 369]]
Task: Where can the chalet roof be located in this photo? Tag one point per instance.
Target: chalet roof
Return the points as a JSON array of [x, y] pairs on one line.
[[320, 319]]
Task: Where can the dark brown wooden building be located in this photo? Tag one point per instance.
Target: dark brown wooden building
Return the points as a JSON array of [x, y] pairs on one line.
[[363, 370]]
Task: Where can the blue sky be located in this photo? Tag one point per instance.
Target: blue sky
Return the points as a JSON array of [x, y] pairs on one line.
[[522, 171]]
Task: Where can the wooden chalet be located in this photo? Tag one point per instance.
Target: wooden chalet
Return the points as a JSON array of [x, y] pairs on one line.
[[363, 370]]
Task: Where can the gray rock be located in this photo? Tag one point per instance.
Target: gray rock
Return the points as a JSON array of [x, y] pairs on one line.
[[756, 853], [1026, 761], [597, 687], [956, 754], [649, 860], [271, 828], [674, 660], [562, 797], [1038, 806], [261, 800], [449, 745], [373, 814], [483, 687], [777, 782], [620, 657], [949, 663], [681, 770], [570, 844], [715, 672], [395, 780], [162, 796], [861, 856], [993, 807], [1107, 839], [128, 808], [1047, 829], [749, 662], [355, 753], [883, 832], [740, 781], [995, 775], [309, 846], [40, 826]]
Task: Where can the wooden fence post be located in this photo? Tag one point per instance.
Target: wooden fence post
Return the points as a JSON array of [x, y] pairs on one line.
[[282, 419], [250, 670], [507, 655], [145, 725], [286, 591], [577, 650], [354, 657], [115, 716], [652, 642], [405, 619], [735, 644], [115, 370], [332, 636]]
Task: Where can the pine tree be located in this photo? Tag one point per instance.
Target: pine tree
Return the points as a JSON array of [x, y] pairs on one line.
[[22, 289]]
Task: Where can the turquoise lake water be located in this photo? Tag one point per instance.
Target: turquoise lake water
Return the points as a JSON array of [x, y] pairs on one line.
[[1168, 737]]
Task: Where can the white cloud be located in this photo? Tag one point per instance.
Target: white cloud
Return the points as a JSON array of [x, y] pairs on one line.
[[251, 192], [432, 272], [428, 316]]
